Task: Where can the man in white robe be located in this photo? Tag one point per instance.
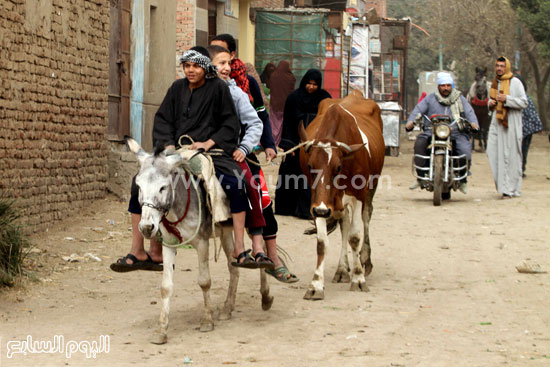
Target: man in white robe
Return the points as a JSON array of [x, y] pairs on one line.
[[507, 99]]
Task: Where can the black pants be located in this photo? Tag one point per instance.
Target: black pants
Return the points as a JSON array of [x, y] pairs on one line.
[[525, 143], [421, 148]]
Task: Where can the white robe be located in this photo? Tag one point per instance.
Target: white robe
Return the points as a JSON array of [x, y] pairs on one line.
[[504, 144]]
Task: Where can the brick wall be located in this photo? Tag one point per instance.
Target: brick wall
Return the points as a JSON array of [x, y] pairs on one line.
[[54, 72], [185, 30], [267, 3]]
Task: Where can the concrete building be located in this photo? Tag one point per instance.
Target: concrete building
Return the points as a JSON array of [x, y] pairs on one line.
[[159, 32]]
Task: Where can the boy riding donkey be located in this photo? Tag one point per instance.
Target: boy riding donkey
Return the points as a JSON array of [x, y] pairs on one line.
[[200, 107]]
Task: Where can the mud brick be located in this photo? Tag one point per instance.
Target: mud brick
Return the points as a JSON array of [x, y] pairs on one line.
[[54, 127]]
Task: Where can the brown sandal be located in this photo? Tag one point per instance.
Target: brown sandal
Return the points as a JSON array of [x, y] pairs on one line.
[[247, 262], [263, 261]]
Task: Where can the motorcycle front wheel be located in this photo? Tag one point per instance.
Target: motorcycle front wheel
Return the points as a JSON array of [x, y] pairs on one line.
[[438, 179]]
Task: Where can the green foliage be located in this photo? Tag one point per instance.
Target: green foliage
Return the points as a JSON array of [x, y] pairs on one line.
[[535, 15], [13, 243]]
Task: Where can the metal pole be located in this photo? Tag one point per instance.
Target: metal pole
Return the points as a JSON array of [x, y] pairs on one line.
[[517, 60], [367, 81], [440, 40], [440, 53]]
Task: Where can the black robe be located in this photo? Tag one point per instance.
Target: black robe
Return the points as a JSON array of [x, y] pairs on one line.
[[205, 113], [299, 106]]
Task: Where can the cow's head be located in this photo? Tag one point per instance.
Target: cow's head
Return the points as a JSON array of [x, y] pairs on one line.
[[156, 180], [325, 164]]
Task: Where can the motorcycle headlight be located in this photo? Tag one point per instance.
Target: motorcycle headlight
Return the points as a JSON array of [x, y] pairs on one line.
[[443, 131]]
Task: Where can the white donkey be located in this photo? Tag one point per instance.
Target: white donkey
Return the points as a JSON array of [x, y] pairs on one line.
[[167, 196]]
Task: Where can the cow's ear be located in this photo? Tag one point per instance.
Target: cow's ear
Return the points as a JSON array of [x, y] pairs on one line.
[[302, 132]]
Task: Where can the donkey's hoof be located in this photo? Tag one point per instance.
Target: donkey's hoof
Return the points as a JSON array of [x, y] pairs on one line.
[[359, 287], [206, 326], [314, 295], [225, 315], [267, 301], [159, 338], [341, 276]]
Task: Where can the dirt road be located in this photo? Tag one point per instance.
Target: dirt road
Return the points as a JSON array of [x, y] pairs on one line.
[[444, 290]]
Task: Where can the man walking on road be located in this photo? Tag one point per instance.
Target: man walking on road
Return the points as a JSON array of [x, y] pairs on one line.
[[507, 99]]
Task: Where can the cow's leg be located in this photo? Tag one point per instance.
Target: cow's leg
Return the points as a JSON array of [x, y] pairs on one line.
[[267, 300], [166, 290], [366, 250], [358, 282], [316, 289], [342, 271], [227, 244], [207, 324]]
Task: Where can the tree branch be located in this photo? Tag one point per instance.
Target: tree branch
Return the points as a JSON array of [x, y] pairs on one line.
[[546, 77]]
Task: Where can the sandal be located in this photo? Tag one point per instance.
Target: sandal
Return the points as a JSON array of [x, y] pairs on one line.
[[282, 274], [263, 261], [122, 265], [247, 262]]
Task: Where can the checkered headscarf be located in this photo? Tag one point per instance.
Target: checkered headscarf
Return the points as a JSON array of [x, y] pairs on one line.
[[201, 60]]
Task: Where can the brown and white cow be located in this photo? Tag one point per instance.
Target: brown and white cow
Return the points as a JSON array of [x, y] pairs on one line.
[[343, 160]]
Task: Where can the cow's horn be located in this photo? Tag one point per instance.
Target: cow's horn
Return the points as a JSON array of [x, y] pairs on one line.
[[345, 146], [302, 131]]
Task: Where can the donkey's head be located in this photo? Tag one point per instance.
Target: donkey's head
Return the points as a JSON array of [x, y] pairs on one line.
[[156, 182], [481, 83]]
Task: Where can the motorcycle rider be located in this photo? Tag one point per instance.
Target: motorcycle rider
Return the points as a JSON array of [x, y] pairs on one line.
[[445, 101]]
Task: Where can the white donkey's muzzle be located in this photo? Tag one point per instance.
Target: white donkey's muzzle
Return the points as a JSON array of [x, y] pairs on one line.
[[148, 230], [150, 222]]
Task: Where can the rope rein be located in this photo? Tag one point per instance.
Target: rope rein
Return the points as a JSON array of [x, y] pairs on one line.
[[208, 155], [171, 226]]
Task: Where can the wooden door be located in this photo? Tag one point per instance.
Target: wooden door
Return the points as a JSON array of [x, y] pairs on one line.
[[119, 70]]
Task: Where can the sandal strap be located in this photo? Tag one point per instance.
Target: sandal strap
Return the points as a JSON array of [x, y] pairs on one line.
[[263, 257], [122, 260], [243, 254], [259, 255]]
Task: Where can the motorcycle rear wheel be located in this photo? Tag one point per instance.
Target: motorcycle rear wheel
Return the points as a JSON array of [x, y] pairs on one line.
[[438, 179]]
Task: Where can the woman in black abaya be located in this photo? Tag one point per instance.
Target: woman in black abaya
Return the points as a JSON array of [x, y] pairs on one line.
[[293, 195]]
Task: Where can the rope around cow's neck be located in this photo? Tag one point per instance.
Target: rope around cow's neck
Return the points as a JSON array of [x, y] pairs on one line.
[[282, 155], [218, 151]]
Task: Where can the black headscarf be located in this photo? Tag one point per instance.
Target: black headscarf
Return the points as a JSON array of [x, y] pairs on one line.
[[310, 101], [521, 80], [301, 106], [198, 57], [266, 74]]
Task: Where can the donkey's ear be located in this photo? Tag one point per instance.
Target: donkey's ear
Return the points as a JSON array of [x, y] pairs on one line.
[[174, 160], [136, 149]]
